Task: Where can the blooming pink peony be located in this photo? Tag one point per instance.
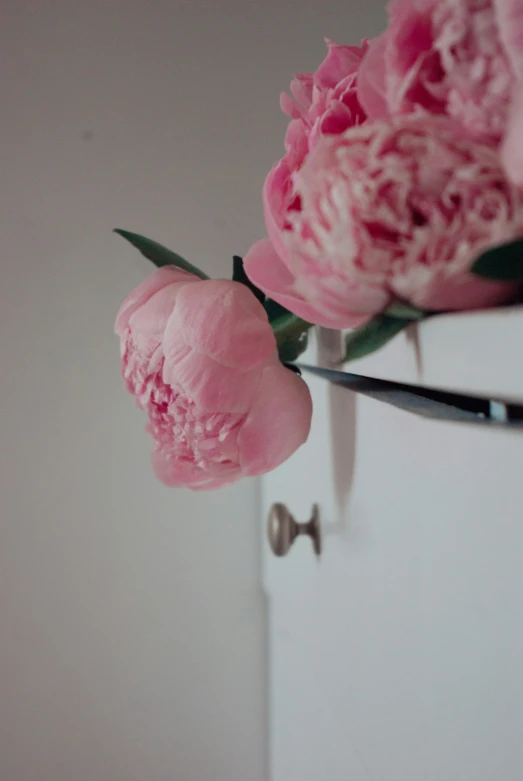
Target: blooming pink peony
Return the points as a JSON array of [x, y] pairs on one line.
[[454, 57], [325, 104], [398, 208], [200, 357]]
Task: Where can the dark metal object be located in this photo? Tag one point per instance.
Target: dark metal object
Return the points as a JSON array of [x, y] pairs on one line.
[[282, 529], [427, 402]]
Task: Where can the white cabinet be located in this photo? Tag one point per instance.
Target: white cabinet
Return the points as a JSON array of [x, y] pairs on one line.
[[470, 352], [398, 654]]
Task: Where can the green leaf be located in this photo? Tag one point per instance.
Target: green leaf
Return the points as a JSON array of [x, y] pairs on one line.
[[291, 334], [239, 275], [373, 335], [290, 350], [158, 254], [288, 326], [404, 311], [274, 310], [503, 263]]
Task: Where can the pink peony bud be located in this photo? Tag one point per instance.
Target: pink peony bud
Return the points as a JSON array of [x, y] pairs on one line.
[[200, 357]]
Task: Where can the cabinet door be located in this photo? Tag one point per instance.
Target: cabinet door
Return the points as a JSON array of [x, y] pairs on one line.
[[398, 655]]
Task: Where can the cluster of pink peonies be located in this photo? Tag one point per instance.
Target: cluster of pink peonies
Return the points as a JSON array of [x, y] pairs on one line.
[[402, 165]]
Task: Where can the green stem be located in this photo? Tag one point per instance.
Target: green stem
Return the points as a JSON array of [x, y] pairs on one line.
[[288, 327], [404, 311]]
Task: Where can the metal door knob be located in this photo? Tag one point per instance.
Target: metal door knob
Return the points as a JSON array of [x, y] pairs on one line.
[[282, 529]]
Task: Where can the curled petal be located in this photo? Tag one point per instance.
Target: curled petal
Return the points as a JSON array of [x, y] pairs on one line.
[[339, 62], [444, 293], [267, 271], [371, 80], [224, 321], [277, 197], [278, 423], [140, 295], [180, 473], [510, 24]]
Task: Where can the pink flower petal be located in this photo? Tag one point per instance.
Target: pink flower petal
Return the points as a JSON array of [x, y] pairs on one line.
[[371, 80], [278, 423], [301, 89], [276, 201], [339, 62], [456, 293], [223, 320], [289, 107], [512, 149], [212, 386], [177, 473], [296, 144], [456, 58], [140, 295], [266, 270], [140, 342], [148, 321], [510, 25]]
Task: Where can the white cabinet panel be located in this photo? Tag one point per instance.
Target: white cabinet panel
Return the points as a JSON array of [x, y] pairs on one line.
[[406, 638]]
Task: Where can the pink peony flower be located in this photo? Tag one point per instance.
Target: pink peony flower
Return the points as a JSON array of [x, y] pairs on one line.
[[510, 16], [512, 149], [453, 57], [200, 357], [398, 208], [324, 104]]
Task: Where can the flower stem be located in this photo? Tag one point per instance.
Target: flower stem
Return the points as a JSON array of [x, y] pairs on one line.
[[404, 311], [289, 327]]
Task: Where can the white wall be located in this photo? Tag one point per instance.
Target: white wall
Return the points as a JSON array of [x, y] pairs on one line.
[[132, 622]]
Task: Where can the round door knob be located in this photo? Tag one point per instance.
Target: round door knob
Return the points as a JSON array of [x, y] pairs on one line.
[[282, 529]]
